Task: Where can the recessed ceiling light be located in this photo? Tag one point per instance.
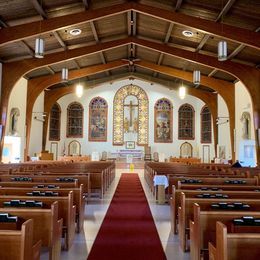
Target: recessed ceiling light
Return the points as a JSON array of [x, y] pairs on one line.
[[75, 32], [187, 33]]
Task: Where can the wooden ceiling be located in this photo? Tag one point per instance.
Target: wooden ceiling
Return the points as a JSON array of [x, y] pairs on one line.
[[161, 22]]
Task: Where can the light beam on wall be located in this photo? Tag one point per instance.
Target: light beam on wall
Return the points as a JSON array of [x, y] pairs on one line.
[[79, 90]]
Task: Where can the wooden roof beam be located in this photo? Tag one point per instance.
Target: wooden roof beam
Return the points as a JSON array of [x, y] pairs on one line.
[[178, 5], [221, 14], [95, 34], [233, 33], [39, 9], [166, 40]]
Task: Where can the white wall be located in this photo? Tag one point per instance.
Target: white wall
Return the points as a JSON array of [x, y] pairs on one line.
[[243, 104], [224, 128], [154, 92], [18, 99], [36, 129]]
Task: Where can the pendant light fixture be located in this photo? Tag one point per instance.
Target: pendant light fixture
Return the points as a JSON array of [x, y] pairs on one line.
[[196, 77], [222, 51], [64, 74], [39, 48], [79, 90], [182, 91]]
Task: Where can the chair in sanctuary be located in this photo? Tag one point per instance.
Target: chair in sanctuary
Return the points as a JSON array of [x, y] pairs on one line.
[[156, 156], [147, 153], [104, 156]]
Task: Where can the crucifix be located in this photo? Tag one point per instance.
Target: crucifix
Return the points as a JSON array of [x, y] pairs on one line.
[[131, 111]]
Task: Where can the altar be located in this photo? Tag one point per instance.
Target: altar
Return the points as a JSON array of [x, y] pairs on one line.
[[124, 153]]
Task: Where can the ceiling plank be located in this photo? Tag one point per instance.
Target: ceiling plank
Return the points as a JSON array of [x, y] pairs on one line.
[[86, 4], [233, 33], [27, 47], [214, 71], [50, 70]]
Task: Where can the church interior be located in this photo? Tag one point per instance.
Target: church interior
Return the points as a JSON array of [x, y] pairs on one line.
[[132, 126]]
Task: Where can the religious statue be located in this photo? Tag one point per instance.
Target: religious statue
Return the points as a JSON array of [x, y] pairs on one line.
[[245, 119], [126, 125], [15, 113]]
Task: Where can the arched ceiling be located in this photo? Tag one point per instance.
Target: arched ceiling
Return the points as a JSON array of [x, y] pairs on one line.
[[163, 22]]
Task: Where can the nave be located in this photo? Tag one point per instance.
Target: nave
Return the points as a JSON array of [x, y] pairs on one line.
[[95, 212]]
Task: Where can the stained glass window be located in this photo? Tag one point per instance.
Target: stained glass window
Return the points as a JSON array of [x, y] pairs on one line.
[[163, 121], [97, 120], [75, 120], [205, 116], [186, 122], [54, 128]]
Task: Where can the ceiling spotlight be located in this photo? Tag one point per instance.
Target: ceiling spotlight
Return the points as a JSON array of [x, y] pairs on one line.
[[187, 33], [75, 32]]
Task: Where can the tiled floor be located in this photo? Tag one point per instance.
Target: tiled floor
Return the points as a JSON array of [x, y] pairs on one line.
[[95, 212]]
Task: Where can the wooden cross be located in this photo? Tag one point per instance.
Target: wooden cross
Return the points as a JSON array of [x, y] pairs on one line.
[[131, 110]]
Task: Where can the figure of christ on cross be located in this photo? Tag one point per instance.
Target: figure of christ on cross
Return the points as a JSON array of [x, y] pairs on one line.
[[131, 107]]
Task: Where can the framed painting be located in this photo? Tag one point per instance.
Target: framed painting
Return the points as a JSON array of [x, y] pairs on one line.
[[97, 120], [130, 145], [163, 121]]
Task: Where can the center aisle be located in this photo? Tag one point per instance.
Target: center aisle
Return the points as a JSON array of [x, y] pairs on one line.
[[128, 231]]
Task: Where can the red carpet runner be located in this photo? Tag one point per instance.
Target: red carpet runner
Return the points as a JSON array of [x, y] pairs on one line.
[[128, 231]]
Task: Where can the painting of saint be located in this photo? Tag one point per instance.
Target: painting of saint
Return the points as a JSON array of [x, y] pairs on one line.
[[163, 121], [98, 120]]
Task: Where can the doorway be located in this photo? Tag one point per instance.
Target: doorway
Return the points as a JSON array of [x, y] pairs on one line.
[[206, 153]]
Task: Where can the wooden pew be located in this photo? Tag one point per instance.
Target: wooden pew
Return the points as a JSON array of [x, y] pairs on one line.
[[18, 244], [203, 227], [175, 200], [21, 184], [185, 212], [78, 198], [66, 211], [47, 226], [233, 246]]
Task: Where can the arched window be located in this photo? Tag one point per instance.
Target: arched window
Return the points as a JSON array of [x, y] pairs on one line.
[[163, 121], [97, 120], [75, 120], [205, 116], [54, 128], [186, 122]]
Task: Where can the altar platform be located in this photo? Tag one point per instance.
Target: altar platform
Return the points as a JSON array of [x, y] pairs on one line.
[[122, 164]]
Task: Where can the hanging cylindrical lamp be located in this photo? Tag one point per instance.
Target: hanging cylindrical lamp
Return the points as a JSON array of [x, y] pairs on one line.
[[182, 92], [222, 51], [196, 77], [79, 90], [64, 74], [39, 48]]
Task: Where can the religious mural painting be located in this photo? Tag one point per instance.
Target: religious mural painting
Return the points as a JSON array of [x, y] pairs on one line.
[[97, 120], [163, 121], [186, 122], [131, 115]]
